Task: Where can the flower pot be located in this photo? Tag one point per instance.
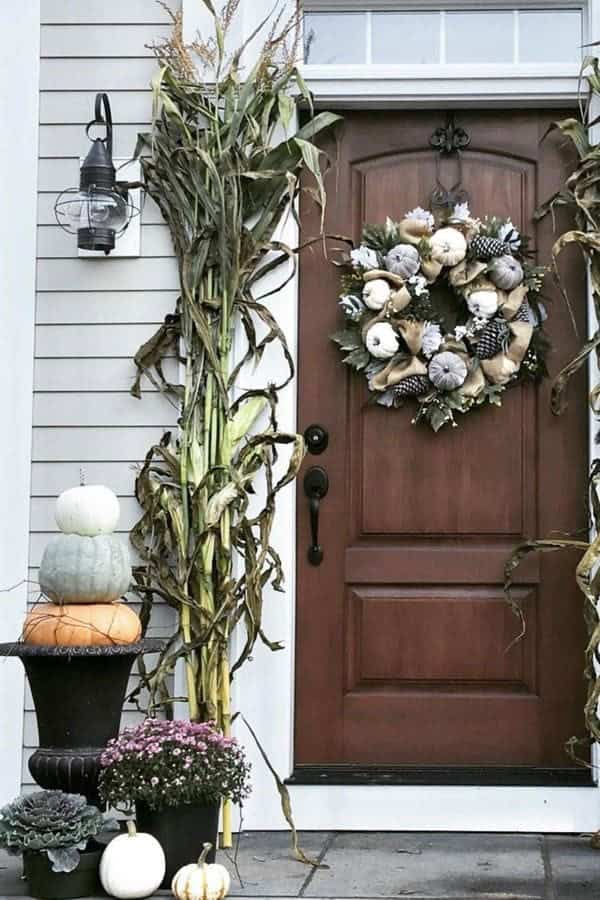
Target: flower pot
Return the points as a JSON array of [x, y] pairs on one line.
[[78, 693], [181, 831], [48, 885]]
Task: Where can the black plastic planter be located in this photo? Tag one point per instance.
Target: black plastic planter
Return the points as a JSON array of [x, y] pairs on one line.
[[181, 831], [78, 693], [45, 884]]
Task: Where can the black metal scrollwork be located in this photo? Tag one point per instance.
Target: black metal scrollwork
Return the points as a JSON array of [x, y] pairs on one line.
[[449, 140]]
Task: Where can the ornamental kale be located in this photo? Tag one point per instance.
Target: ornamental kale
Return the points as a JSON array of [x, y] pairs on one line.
[[167, 763], [50, 822]]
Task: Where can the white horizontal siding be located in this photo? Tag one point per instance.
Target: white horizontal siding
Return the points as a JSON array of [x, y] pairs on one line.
[[73, 107], [107, 12], [42, 514], [73, 409], [87, 375], [93, 444], [91, 75], [91, 341], [106, 307], [104, 275], [100, 41], [51, 479]]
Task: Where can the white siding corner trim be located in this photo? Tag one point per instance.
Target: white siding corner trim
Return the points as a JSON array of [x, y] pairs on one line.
[[19, 75]]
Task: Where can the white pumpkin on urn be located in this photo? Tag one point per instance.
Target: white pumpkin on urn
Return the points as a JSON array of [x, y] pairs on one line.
[[80, 569], [88, 509], [201, 881], [133, 865], [376, 293]]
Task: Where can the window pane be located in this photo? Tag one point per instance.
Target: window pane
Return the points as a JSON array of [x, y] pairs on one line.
[[550, 37], [405, 37], [334, 38], [479, 37]]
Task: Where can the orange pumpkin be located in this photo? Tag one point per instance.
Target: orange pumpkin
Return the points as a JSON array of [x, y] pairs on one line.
[[81, 625]]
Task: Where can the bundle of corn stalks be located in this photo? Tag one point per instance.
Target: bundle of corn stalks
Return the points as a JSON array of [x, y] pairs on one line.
[[222, 162], [581, 194]]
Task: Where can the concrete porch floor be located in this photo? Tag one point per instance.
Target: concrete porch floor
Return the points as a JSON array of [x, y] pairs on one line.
[[419, 866]]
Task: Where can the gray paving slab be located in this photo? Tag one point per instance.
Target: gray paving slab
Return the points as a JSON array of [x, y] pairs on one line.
[[432, 866], [575, 867], [266, 865]]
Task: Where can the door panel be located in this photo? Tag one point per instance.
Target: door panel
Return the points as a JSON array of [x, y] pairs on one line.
[[405, 645]]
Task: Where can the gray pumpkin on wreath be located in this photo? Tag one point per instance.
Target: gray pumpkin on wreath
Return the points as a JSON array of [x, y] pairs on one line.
[[447, 370], [505, 272], [403, 260]]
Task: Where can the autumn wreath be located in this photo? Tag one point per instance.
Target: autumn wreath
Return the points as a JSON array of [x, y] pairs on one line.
[[444, 310]]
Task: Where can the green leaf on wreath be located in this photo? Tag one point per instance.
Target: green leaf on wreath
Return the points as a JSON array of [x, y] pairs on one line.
[[347, 339], [359, 358]]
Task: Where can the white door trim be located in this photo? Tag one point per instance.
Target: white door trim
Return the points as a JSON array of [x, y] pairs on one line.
[[265, 690], [19, 75]]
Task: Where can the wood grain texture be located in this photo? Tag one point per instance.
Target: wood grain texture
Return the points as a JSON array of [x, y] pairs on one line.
[[402, 631]]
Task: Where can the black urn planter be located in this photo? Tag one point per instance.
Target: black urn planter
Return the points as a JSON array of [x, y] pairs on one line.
[[45, 884], [181, 831], [78, 693]]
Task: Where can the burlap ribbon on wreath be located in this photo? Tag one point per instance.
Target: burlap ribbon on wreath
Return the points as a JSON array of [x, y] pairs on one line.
[[510, 302], [501, 368], [394, 373]]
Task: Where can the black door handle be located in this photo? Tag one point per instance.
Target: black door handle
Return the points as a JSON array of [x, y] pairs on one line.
[[316, 485]]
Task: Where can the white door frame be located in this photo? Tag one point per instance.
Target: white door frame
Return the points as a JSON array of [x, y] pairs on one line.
[[19, 75], [265, 692]]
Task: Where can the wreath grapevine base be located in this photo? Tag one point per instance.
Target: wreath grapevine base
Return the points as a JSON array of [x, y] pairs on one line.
[[444, 311]]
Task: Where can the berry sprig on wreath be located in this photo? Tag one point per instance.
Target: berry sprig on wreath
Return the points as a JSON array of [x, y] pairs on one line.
[[444, 312]]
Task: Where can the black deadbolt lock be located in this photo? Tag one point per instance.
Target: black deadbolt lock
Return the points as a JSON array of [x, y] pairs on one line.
[[317, 439]]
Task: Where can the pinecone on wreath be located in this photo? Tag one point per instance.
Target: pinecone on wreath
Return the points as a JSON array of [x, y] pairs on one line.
[[486, 248], [523, 314], [492, 339], [412, 386]]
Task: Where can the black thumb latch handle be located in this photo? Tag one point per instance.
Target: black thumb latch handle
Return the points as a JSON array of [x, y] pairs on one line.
[[316, 485]]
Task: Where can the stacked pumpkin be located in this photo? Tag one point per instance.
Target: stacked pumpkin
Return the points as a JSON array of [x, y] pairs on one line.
[[84, 573]]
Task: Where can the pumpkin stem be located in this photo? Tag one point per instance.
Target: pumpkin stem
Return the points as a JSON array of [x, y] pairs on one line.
[[204, 854], [131, 829]]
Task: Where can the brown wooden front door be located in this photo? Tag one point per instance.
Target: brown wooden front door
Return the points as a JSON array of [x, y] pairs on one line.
[[402, 631]]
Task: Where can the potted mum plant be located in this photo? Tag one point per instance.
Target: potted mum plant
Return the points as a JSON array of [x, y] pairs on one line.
[[54, 833], [176, 773]]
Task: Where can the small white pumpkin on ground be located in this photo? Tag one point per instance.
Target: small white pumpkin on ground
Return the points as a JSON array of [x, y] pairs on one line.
[[133, 865], [89, 509], [201, 881]]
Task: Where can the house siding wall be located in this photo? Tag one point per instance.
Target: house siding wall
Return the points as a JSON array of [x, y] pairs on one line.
[[92, 314]]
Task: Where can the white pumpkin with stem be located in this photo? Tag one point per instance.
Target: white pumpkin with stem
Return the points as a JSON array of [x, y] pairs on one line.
[[133, 865], [89, 509], [201, 880]]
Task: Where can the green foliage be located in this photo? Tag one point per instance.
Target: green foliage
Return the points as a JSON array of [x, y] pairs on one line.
[[50, 822]]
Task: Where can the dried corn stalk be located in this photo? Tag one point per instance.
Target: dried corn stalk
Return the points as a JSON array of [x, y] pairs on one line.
[[223, 165]]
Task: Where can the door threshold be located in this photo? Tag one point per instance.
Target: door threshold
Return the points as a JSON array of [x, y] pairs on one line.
[[509, 776]]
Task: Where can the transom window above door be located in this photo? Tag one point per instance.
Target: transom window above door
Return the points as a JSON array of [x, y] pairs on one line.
[[465, 36]]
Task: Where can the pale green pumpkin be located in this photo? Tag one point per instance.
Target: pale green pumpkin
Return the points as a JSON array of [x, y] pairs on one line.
[[83, 569]]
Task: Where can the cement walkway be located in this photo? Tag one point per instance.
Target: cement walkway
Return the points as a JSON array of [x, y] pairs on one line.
[[404, 865]]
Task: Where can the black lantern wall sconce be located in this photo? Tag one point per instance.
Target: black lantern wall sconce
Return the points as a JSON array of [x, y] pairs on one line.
[[101, 208]]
